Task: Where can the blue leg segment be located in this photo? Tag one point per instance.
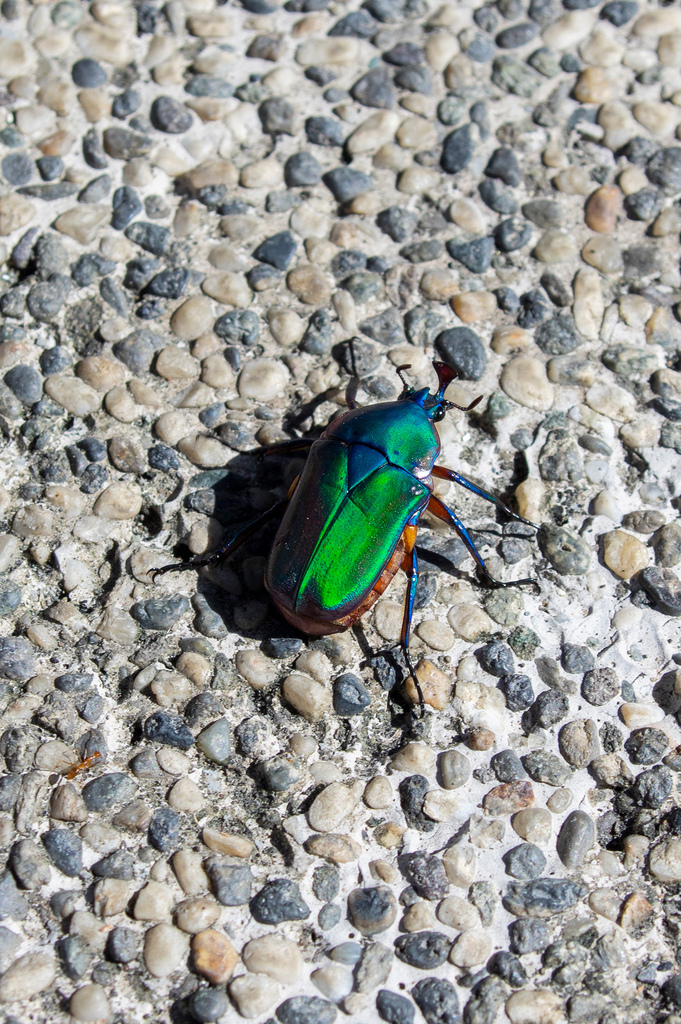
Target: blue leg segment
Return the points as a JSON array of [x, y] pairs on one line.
[[449, 474], [227, 549], [439, 509], [412, 570]]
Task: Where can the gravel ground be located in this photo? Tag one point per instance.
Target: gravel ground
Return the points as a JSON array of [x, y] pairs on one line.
[[205, 816]]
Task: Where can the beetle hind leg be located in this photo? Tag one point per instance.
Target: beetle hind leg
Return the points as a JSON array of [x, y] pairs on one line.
[[227, 549], [411, 567], [448, 474], [442, 511]]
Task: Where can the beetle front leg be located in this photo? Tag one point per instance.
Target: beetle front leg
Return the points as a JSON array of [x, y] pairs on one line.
[[448, 474], [411, 567], [439, 509], [227, 549]]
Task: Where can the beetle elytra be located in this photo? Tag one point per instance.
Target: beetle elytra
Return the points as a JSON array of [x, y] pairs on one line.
[[351, 517]]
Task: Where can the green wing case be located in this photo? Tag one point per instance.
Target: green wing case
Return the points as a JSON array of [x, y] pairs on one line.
[[342, 525]]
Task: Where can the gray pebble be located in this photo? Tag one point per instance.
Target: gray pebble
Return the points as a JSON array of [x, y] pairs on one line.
[[306, 1010], [160, 612], [576, 837], [462, 349], [230, 880], [65, 850], [524, 862], [437, 1000], [426, 950], [279, 900]]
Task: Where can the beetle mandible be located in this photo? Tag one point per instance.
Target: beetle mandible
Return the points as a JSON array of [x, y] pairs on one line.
[[351, 517]]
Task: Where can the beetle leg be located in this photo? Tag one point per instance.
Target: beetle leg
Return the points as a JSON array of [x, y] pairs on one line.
[[449, 474], [298, 444], [411, 567], [439, 509], [227, 549], [351, 393]]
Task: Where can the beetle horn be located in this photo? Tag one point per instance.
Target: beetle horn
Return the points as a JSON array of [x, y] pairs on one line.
[[445, 376]]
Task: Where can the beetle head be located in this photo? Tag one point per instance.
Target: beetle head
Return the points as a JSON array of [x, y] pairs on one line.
[[434, 405]]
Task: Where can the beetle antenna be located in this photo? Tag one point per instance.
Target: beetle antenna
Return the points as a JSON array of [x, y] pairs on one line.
[[467, 408], [399, 370]]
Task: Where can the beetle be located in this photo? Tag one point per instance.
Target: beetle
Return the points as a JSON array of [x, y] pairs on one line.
[[351, 517]]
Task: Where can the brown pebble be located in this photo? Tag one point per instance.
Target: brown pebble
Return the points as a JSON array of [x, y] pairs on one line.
[[480, 739], [636, 913], [602, 208], [214, 956], [508, 798], [593, 86]]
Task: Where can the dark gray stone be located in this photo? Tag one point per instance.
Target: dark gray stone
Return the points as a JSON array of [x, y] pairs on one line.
[[524, 862], [169, 116], [462, 349], [437, 1000], [279, 900], [169, 729], [230, 882], [457, 150], [102, 793], [425, 950], [476, 256]]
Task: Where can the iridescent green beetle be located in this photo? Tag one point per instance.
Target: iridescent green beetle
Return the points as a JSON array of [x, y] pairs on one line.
[[351, 518]]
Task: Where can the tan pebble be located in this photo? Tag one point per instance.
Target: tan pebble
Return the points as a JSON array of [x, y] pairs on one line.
[[118, 626], [154, 902], [334, 848], [612, 401], [415, 757], [383, 871], [473, 306], [569, 29], [72, 394], [388, 619], [535, 1006], [189, 872], [555, 246], [186, 797], [618, 124], [378, 793], [285, 326], [559, 801], [439, 284], [437, 635], [555, 156], [254, 994], [207, 344], [230, 289], [119, 403], [216, 372], [511, 339], [335, 802], [258, 671], [27, 976], [214, 956], [436, 686], [263, 379], [165, 950], [632, 179], [457, 913], [669, 49], [636, 913], [192, 318], [470, 622], [601, 49], [416, 133], [187, 220], [658, 118], [416, 180], [15, 213], [175, 363], [440, 48], [471, 948], [120, 500], [665, 861], [533, 824], [208, 452], [320, 251], [67, 499], [34, 120], [309, 284], [593, 86], [392, 157], [603, 253], [267, 173], [468, 216], [573, 181], [309, 222], [239, 226], [372, 133], [524, 380], [194, 915], [81, 223], [418, 917], [588, 307], [277, 957], [479, 738], [439, 805], [195, 667], [99, 372], [460, 863], [624, 554], [94, 102], [309, 698], [668, 222], [635, 310], [636, 716]]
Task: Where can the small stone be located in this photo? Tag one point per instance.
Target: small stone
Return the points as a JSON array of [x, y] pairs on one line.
[[457, 150], [524, 380], [624, 554], [575, 839], [424, 949], [600, 685], [603, 208], [437, 1000], [664, 589], [26, 977], [274, 956], [165, 947], [463, 351], [372, 910]]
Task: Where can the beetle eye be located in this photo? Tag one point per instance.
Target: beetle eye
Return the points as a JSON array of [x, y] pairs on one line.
[[439, 415]]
